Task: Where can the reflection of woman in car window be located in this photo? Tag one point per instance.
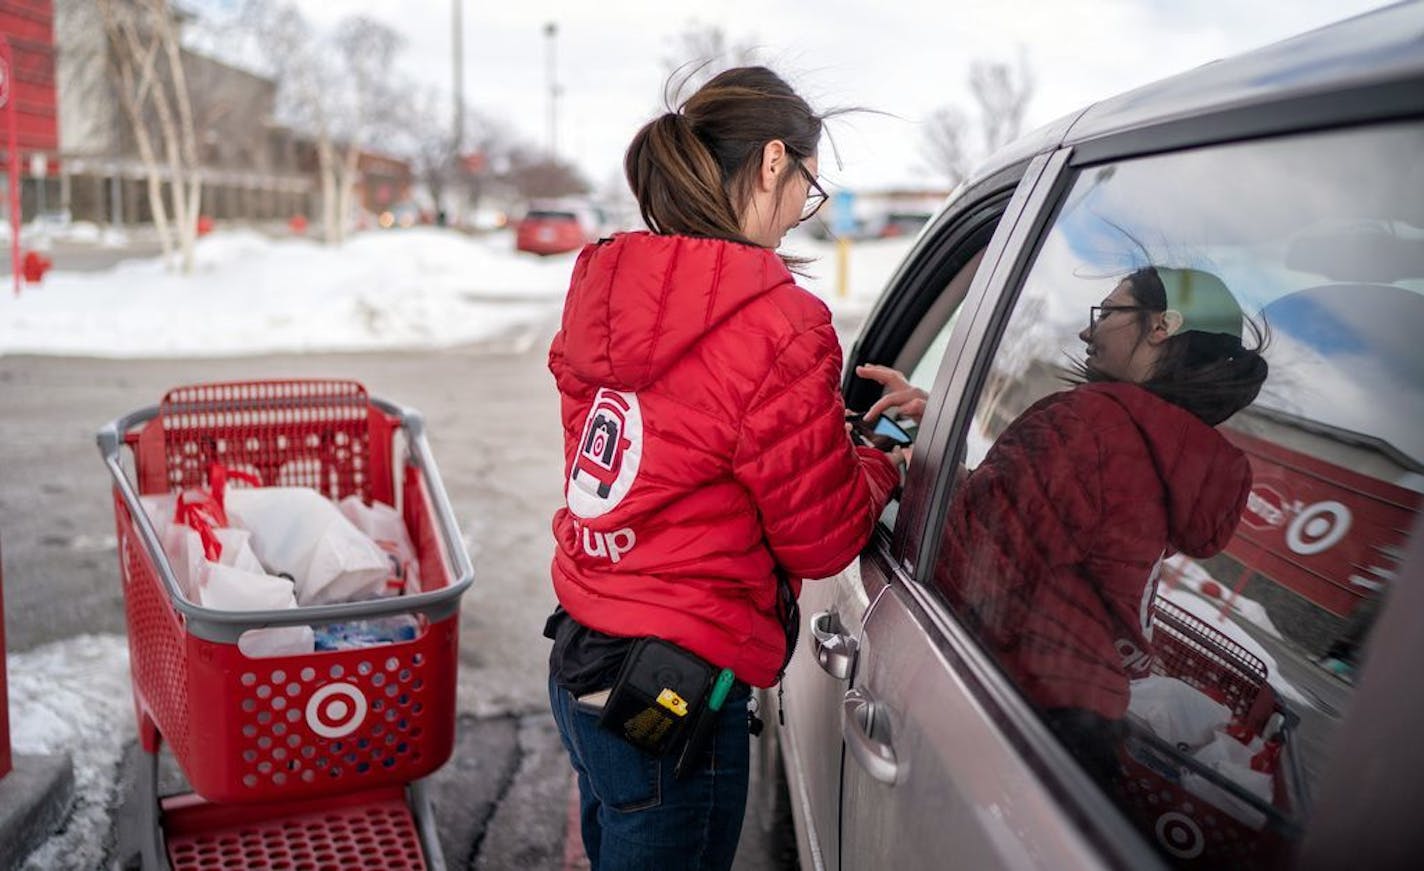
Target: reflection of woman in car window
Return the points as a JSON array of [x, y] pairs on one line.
[[1054, 543]]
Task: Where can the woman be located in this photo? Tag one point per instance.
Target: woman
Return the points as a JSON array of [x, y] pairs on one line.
[[707, 464], [1053, 545]]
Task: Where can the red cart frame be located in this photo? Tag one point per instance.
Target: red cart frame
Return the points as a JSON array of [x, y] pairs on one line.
[[258, 735], [1194, 830]]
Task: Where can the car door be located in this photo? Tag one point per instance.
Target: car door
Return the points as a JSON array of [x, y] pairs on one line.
[[948, 761], [926, 781], [912, 324]]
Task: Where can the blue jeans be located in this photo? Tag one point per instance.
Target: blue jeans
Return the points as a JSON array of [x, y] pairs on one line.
[[634, 815]]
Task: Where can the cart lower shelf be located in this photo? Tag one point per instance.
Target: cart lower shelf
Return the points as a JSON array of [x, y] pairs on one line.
[[373, 829]]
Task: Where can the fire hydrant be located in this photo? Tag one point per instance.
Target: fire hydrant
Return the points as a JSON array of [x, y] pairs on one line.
[[34, 266], [298, 224], [205, 225]]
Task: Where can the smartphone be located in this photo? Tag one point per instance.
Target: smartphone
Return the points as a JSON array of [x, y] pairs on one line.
[[883, 435]]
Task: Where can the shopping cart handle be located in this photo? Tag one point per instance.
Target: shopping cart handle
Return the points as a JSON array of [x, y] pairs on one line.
[[228, 626], [413, 422]]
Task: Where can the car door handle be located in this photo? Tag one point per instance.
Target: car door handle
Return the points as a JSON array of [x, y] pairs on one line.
[[835, 650], [866, 728]]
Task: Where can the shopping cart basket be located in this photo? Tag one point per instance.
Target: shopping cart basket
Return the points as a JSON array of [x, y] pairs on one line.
[[1230, 826], [308, 756]]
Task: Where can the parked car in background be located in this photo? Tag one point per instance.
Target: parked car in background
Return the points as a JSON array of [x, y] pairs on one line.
[[1295, 174], [891, 225], [557, 226]]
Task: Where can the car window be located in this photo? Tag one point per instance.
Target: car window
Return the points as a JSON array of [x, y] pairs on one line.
[[1199, 674], [940, 302], [921, 366], [544, 215]]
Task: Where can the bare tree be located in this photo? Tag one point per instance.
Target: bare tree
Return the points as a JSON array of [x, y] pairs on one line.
[[952, 144], [1002, 96], [148, 64], [532, 173], [702, 51], [368, 100], [424, 139], [427, 142], [944, 145]]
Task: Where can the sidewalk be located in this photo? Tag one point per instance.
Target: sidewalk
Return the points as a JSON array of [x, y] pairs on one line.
[[34, 800]]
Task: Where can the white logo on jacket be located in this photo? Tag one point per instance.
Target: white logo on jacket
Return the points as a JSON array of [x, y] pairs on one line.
[[607, 455]]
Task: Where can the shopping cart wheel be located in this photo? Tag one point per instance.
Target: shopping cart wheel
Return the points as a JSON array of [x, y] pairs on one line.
[[139, 841]]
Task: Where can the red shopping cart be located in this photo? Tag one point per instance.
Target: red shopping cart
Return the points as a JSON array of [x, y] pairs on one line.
[[1200, 817], [304, 761]]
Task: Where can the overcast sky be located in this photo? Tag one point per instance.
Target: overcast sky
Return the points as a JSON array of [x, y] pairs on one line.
[[903, 57]]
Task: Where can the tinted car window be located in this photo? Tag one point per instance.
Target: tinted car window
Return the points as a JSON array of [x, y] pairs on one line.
[[1235, 669], [550, 216]]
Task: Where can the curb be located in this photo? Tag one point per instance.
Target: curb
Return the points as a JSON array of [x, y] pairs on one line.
[[34, 799]]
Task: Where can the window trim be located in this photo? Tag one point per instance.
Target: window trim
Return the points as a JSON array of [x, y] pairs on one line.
[[965, 366], [1363, 105], [901, 308], [1001, 199], [1031, 212]]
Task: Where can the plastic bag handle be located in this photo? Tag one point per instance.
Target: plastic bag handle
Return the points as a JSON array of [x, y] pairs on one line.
[[218, 476], [198, 517]]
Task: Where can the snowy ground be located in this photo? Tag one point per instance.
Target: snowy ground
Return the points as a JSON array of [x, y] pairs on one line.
[[73, 697], [401, 290]]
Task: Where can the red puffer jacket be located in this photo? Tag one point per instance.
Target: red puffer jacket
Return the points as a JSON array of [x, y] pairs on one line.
[[1053, 545], [705, 447]]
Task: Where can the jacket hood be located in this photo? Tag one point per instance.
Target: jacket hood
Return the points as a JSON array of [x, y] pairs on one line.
[[638, 302], [1206, 478]]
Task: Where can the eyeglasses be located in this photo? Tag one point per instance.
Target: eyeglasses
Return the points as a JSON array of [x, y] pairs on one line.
[[1097, 313], [815, 195]]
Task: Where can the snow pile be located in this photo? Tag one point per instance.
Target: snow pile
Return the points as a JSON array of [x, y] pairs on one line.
[[252, 295], [1188, 573], [74, 697], [396, 290], [1210, 613]]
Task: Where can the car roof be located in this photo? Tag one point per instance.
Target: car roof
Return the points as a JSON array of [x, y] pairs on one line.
[[1363, 68]]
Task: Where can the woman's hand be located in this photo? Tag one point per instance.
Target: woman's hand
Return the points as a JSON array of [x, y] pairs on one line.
[[899, 392]]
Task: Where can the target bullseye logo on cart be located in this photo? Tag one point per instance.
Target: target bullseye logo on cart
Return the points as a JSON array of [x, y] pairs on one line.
[[336, 710], [1181, 835]]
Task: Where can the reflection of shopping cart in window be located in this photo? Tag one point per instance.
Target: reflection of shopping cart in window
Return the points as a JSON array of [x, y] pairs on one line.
[[1197, 815], [310, 760]]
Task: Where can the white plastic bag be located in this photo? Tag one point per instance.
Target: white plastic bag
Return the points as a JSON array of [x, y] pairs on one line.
[[233, 589], [184, 549], [297, 532], [236, 582], [1177, 712], [1232, 760], [385, 526]]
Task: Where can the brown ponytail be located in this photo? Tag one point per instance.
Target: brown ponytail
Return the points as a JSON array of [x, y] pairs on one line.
[[692, 170]]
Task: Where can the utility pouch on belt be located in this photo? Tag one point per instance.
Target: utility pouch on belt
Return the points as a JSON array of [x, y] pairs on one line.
[[658, 695]]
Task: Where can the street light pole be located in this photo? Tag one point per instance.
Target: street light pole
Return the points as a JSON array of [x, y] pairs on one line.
[[551, 30], [458, 134], [458, 48]]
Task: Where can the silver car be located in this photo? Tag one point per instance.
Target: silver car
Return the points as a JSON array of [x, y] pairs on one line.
[[1296, 173]]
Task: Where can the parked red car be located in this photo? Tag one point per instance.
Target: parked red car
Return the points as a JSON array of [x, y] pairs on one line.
[[553, 228]]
